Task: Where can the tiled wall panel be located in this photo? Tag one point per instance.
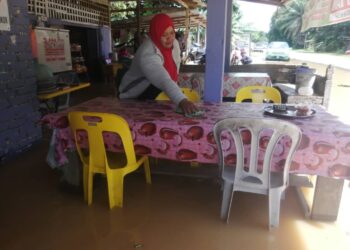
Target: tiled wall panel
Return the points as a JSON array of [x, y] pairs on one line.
[[18, 102]]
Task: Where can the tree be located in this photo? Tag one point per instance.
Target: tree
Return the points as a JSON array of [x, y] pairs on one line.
[[332, 38], [236, 17], [286, 26], [258, 36], [117, 16], [286, 23]]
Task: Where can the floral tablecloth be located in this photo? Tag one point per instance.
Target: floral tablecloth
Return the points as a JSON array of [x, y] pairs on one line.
[[232, 81], [160, 132]]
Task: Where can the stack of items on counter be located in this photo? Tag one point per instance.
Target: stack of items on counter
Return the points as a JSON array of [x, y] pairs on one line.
[[78, 60]]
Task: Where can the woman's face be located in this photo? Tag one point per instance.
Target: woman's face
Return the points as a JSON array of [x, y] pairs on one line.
[[168, 37]]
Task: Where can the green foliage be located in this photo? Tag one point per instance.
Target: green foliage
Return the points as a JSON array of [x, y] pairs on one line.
[[275, 34], [286, 26], [286, 23], [258, 36], [236, 17], [147, 5], [117, 16], [333, 38], [159, 4]]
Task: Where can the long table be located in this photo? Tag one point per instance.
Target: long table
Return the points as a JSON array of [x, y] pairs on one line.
[[61, 91], [160, 132]]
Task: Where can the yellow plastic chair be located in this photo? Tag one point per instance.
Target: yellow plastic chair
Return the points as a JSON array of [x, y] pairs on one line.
[[259, 94], [191, 94], [97, 160]]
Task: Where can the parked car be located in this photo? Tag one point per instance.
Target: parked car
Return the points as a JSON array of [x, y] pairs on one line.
[[277, 51], [260, 47]]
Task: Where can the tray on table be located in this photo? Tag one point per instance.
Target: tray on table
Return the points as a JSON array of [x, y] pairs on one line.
[[290, 112]]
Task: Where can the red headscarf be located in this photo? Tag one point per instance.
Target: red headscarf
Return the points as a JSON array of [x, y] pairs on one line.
[[159, 24]]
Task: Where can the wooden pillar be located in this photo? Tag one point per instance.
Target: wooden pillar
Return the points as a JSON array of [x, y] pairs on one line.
[[138, 17], [228, 35], [322, 202], [327, 198], [187, 30], [106, 45], [328, 86], [198, 33], [216, 44]]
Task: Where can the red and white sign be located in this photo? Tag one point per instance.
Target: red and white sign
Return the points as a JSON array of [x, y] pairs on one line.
[[325, 12], [53, 48]]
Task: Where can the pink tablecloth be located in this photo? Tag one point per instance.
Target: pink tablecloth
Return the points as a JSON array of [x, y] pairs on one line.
[[160, 132], [232, 81]]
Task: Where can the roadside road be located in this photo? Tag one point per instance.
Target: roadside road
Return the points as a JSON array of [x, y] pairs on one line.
[[339, 61]]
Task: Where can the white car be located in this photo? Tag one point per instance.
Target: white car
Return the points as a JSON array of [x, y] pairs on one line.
[[260, 47], [277, 51]]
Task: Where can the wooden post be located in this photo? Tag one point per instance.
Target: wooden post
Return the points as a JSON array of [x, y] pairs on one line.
[[138, 17], [228, 35], [328, 86], [327, 198], [215, 53], [187, 30], [198, 33]]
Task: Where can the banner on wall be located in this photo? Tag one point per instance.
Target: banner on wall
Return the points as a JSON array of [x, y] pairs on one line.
[[4, 16], [53, 48], [320, 13]]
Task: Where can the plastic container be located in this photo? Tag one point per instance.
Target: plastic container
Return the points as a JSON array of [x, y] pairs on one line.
[[304, 80]]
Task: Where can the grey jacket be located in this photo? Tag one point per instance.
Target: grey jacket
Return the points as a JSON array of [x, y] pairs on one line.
[[146, 68]]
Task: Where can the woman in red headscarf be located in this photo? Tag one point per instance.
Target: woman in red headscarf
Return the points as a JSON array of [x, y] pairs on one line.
[[155, 67]]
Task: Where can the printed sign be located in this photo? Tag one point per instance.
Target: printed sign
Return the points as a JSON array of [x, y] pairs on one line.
[[4, 16], [320, 13], [53, 48]]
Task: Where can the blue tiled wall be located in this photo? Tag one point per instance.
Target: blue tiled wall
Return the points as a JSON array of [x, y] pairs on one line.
[[18, 103]]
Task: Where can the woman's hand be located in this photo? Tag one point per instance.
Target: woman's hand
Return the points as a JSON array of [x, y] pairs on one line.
[[188, 107]]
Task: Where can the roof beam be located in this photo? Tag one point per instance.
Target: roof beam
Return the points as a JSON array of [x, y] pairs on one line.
[[270, 2], [185, 3], [146, 9], [182, 3]]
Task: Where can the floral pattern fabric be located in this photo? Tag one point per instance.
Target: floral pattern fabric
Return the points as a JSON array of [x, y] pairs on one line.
[[232, 82], [160, 132]]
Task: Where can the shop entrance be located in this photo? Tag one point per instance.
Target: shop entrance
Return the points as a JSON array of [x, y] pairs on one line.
[[86, 52]]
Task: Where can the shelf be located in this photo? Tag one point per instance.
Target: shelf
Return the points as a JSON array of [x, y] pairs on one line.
[[79, 59], [75, 47], [81, 72]]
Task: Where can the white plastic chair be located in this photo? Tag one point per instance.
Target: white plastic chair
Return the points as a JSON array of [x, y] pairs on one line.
[[249, 178]]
